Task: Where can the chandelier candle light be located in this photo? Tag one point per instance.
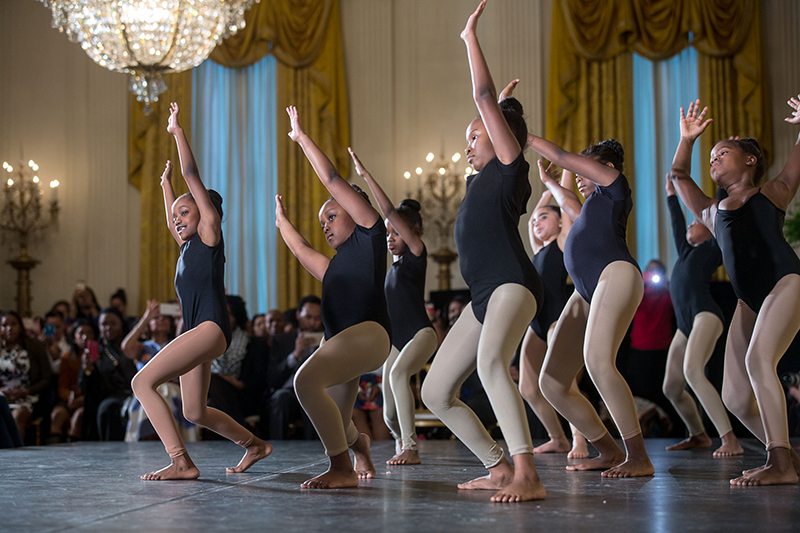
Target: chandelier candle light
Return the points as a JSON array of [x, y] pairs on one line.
[[21, 214], [148, 38]]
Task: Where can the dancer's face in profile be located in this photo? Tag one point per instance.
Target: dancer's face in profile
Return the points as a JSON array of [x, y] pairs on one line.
[[585, 187], [697, 233], [337, 224], [480, 149], [728, 161], [546, 224], [185, 216], [394, 241]]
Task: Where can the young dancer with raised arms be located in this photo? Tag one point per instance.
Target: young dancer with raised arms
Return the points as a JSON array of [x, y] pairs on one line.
[[357, 326]]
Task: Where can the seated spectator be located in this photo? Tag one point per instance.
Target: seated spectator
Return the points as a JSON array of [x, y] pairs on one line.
[[260, 326], [85, 303], [120, 300], [24, 369], [9, 434], [275, 322], [225, 389], [68, 411], [63, 307], [55, 339], [368, 409], [289, 351], [106, 380], [290, 323]]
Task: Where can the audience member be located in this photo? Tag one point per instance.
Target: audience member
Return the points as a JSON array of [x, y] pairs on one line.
[[68, 410], [54, 339], [368, 409], [275, 322], [259, 326], [84, 302], [120, 300]]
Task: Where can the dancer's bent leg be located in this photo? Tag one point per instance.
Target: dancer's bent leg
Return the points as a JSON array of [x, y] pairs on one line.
[[776, 326], [327, 385], [409, 361], [618, 294], [674, 388], [389, 405]]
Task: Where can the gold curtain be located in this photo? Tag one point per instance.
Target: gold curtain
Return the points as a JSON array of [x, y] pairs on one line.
[[591, 74], [305, 37]]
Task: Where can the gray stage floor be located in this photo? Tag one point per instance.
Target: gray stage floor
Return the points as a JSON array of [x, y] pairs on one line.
[[95, 486]]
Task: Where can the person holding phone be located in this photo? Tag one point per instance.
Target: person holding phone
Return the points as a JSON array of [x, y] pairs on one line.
[[194, 219]]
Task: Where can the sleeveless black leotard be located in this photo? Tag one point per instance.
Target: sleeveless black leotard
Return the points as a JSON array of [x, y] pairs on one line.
[[405, 297], [689, 287], [754, 250], [487, 237], [352, 288], [200, 284], [598, 237], [549, 263]]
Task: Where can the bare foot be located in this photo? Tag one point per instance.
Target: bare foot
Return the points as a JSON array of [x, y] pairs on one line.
[[580, 448], [257, 450], [181, 467], [405, 457], [557, 445], [795, 463], [601, 462], [730, 446], [521, 490], [768, 474], [632, 467], [332, 479], [500, 476], [363, 460], [695, 441]]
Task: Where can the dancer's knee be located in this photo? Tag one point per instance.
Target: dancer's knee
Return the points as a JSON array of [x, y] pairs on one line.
[[673, 388], [194, 413], [759, 369], [140, 385], [491, 369], [435, 398], [736, 400], [553, 389], [696, 377], [398, 377], [601, 369]]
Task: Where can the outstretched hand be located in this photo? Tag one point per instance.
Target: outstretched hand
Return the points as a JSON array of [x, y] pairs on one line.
[[152, 309], [508, 91], [360, 170], [173, 126], [472, 22], [166, 177], [694, 122], [547, 174], [795, 104], [280, 211], [670, 187], [297, 131]]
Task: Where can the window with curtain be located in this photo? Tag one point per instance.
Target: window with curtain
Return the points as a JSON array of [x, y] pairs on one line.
[[234, 136], [660, 88]]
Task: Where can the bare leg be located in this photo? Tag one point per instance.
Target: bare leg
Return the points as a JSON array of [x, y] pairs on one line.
[[580, 448], [730, 446], [362, 422], [76, 424], [525, 485], [58, 418], [379, 429], [363, 460], [21, 416]]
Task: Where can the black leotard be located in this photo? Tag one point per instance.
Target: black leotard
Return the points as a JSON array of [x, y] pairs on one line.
[[598, 236], [352, 288], [490, 248], [755, 253], [200, 284], [549, 263], [405, 297], [689, 287]]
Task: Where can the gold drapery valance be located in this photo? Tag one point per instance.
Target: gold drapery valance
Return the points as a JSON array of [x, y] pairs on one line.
[[305, 37]]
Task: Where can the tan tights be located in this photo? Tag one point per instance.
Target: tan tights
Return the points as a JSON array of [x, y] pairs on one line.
[[593, 334], [398, 400], [686, 362], [534, 350], [756, 342], [489, 347], [327, 383], [189, 356]]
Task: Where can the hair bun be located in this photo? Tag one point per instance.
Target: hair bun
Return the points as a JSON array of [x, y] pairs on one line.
[[614, 146], [511, 104], [412, 204]]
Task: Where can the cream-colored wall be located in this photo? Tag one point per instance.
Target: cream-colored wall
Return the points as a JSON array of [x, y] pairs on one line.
[[71, 117], [409, 82]]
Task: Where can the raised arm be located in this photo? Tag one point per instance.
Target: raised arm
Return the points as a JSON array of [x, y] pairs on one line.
[[537, 244], [361, 212], [386, 206], [693, 123], [587, 167], [783, 187], [210, 227], [506, 146], [169, 199], [566, 198], [676, 217], [131, 346], [313, 261], [567, 183]]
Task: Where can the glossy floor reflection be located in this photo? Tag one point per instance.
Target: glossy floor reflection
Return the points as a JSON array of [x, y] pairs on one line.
[[95, 486]]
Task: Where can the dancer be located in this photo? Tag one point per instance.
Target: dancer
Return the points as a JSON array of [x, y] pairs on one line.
[[607, 277], [505, 288], [194, 219], [414, 340], [765, 274], [699, 326], [357, 329]]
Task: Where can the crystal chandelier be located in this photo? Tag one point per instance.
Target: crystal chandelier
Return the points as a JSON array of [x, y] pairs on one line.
[[147, 38]]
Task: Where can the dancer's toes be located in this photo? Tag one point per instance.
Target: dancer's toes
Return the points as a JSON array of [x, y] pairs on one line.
[[177, 470], [557, 445], [258, 450], [631, 468], [520, 491], [766, 475], [729, 450], [405, 457], [695, 441], [332, 479], [601, 462], [363, 460]]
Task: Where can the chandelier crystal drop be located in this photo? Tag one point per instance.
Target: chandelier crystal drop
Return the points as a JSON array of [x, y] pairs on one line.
[[148, 38]]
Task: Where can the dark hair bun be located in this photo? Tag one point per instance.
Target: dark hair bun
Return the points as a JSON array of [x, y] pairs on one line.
[[511, 104], [361, 192], [410, 203], [616, 147], [216, 199]]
